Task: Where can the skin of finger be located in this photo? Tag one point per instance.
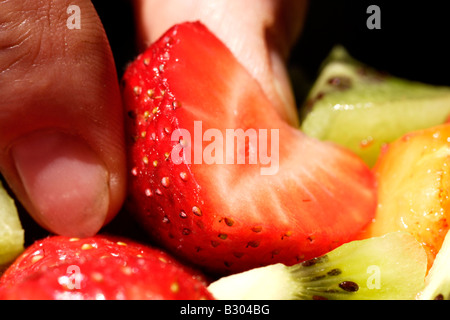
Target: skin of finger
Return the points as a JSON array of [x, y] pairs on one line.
[[260, 33], [60, 78]]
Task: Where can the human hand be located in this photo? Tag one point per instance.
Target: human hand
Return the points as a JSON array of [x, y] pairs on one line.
[[61, 119]]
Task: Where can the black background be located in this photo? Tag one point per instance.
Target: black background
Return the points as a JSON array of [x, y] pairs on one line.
[[412, 42]]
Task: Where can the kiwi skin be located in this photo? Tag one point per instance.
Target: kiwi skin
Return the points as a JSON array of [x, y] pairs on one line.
[[391, 267]]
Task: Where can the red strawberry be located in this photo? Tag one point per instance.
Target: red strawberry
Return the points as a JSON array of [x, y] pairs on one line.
[[231, 217], [100, 267]]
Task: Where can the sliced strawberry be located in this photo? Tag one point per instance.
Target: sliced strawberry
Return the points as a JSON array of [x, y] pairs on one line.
[[231, 217], [100, 267]]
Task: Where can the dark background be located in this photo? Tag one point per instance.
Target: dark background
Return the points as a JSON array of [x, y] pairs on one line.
[[412, 42]]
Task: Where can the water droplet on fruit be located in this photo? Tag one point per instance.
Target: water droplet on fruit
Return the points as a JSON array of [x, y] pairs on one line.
[[161, 67], [186, 231], [158, 192], [165, 219], [367, 142], [167, 40], [145, 159], [134, 171], [146, 61], [148, 192], [155, 163], [165, 55]]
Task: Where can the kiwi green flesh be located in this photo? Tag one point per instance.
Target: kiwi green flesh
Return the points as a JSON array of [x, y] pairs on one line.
[[11, 231], [358, 107], [382, 268], [437, 282]]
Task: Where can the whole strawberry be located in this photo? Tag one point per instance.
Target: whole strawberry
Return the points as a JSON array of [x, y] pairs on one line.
[[100, 267], [218, 177]]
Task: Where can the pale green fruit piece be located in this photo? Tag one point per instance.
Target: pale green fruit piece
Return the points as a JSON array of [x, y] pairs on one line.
[[391, 267], [362, 109], [437, 283], [11, 231]]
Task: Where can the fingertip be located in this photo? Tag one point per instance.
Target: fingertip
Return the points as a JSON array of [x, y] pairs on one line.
[[66, 182], [62, 148], [261, 42]]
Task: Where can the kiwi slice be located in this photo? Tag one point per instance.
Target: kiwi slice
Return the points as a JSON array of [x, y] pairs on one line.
[[11, 231], [389, 267], [437, 282], [362, 109]]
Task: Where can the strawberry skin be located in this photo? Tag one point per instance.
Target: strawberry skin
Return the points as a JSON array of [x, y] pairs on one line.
[[229, 217], [100, 267]]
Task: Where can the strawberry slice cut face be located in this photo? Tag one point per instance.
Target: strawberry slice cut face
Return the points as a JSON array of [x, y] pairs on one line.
[[217, 176]]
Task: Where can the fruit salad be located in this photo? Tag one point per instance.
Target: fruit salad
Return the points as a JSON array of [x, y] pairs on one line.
[[235, 203]]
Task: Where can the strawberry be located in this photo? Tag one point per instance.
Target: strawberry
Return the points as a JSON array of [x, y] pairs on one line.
[[231, 205], [99, 267]]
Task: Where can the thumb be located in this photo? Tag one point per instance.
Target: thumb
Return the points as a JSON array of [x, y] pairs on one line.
[[260, 33], [61, 135]]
